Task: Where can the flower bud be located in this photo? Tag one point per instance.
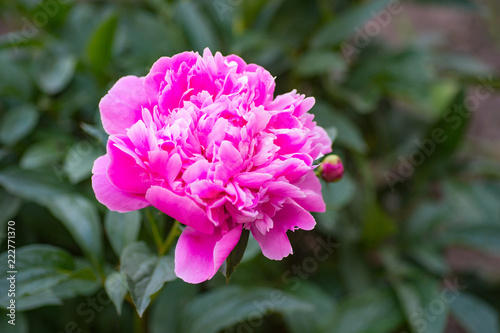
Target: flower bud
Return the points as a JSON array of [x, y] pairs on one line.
[[331, 169]]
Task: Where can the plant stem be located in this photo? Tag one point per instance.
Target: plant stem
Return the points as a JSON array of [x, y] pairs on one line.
[[154, 228], [141, 324], [172, 234]]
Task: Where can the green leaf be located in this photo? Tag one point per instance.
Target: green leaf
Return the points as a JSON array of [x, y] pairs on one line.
[[83, 282], [336, 195], [336, 31], [363, 102], [252, 250], [146, 273], [39, 268], [198, 29], [38, 300], [405, 74], [41, 154], [77, 282], [474, 314], [421, 296], [221, 308], [328, 221], [481, 237], [418, 299], [99, 47], [425, 217], [9, 206], [446, 135], [378, 224], [348, 135], [53, 70], [319, 62], [430, 258], [354, 269], [80, 217], [332, 133], [167, 308], [95, 132], [454, 123], [143, 47], [122, 229], [324, 305], [442, 93], [236, 255], [375, 311], [463, 64], [18, 123], [471, 203], [467, 4], [14, 79], [40, 187], [410, 303], [116, 288], [80, 160]]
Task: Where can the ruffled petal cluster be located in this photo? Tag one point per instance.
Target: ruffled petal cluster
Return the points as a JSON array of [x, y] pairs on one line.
[[203, 139]]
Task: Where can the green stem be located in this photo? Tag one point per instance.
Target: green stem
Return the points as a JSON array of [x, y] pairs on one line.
[[154, 229], [141, 324], [172, 235]]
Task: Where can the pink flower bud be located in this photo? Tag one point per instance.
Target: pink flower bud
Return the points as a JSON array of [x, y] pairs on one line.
[[331, 169]]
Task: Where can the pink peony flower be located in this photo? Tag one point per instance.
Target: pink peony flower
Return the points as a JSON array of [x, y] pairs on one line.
[[203, 140]]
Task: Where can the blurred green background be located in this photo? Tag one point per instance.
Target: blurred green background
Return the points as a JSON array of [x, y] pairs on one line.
[[411, 238]]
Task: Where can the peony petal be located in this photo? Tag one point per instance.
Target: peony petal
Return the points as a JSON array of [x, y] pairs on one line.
[[158, 160], [122, 106], [311, 187], [285, 189], [109, 195], [181, 208], [258, 120], [292, 169], [218, 132], [205, 189], [230, 156], [174, 166], [252, 179], [100, 165], [293, 217], [195, 171], [275, 244], [124, 172], [304, 106], [325, 140], [155, 80], [198, 256]]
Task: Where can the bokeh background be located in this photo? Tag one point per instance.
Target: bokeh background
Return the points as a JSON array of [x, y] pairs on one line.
[[409, 91]]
